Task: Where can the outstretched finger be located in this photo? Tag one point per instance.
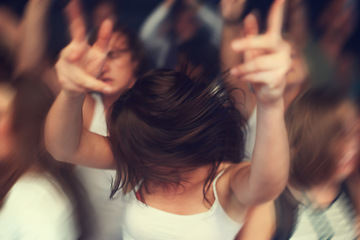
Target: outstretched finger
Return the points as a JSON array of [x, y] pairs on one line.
[[84, 80], [251, 28], [260, 63], [264, 77], [260, 42], [275, 19], [104, 35], [76, 21]]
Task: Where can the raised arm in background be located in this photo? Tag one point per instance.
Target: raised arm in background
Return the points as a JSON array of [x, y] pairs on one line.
[[32, 36]]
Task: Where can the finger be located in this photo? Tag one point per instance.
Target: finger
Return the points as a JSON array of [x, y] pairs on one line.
[[74, 51], [260, 42], [83, 80], [261, 63], [104, 35], [275, 19], [265, 77], [251, 28], [76, 21]]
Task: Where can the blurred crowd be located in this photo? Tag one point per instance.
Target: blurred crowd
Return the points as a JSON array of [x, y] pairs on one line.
[[180, 119]]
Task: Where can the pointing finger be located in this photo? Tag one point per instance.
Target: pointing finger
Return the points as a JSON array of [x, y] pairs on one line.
[[76, 21], [104, 35], [275, 19]]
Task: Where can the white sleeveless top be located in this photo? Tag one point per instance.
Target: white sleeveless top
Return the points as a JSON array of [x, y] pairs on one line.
[[108, 213], [250, 135], [143, 222], [37, 208]]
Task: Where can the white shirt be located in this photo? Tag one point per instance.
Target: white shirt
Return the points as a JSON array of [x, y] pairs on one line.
[[37, 209], [108, 212], [143, 222]]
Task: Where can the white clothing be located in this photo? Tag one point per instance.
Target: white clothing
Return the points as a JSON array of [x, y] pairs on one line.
[[335, 222], [98, 122], [143, 222], [36, 208], [97, 182], [158, 41], [250, 135]]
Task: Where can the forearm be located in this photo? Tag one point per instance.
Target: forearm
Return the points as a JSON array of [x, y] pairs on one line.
[[63, 127], [32, 41], [270, 162]]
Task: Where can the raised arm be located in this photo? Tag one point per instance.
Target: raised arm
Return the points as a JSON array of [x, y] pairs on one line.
[[267, 176], [32, 36], [77, 68]]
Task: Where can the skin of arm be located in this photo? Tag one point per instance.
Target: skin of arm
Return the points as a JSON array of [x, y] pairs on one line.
[[260, 223], [267, 176], [77, 68], [32, 36], [68, 141]]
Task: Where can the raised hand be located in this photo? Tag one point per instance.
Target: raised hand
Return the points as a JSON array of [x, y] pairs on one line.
[[79, 64], [266, 69]]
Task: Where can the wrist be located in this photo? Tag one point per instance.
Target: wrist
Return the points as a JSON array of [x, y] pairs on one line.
[[271, 105], [73, 95]]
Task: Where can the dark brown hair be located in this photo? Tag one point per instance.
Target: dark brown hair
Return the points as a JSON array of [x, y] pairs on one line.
[[314, 126], [168, 124]]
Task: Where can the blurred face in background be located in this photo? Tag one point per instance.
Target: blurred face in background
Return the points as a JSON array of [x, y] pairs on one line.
[[6, 111], [119, 68], [186, 25], [298, 71], [346, 147]]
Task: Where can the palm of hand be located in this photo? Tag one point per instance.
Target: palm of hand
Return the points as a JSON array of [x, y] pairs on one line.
[[79, 63], [266, 57]]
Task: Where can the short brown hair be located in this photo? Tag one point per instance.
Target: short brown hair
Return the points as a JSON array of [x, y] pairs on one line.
[[314, 125], [168, 124]]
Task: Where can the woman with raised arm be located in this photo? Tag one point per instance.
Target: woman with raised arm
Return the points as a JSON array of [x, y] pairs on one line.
[[175, 141], [323, 127]]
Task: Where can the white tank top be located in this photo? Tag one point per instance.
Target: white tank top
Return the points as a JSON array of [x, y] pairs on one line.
[[143, 222], [97, 182]]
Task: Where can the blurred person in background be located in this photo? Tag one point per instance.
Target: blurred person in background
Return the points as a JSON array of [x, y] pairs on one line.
[[175, 22], [125, 63], [323, 127], [40, 198], [197, 56]]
